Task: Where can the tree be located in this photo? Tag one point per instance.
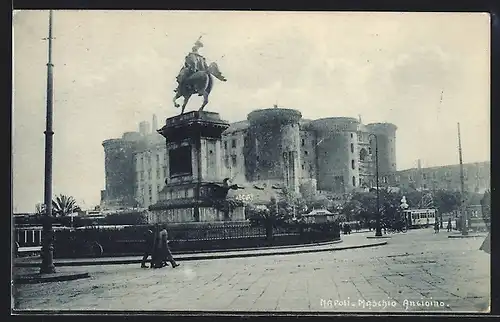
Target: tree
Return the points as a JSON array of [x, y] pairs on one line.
[[64, 205], [447, 201], [361, 206], [319, 202], [39, 209], [486, 208]]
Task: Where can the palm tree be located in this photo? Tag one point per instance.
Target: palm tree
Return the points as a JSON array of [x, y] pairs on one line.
[[39, 209], [64, 205]]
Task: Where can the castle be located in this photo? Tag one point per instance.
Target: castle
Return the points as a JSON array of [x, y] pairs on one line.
[[273, 147]]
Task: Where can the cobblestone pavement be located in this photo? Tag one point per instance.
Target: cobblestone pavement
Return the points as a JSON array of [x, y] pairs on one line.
[[419, 266]]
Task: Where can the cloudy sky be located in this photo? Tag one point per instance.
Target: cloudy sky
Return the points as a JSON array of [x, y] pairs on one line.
[[423, 72]]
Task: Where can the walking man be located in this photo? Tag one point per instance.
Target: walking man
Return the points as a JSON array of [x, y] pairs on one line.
[[166, 255], [436, 227], [148, 247], [448, 226]]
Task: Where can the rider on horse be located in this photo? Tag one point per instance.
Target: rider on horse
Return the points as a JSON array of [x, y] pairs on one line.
[[194, 62]]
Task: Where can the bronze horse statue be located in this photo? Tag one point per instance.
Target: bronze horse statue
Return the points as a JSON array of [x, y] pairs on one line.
[[201, 83]]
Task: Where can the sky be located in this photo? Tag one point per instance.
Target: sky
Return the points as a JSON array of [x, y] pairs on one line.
[[424, 72]]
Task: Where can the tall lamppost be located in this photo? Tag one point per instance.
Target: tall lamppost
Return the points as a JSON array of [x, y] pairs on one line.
[[47, 265], [378, 230], [462, 189]]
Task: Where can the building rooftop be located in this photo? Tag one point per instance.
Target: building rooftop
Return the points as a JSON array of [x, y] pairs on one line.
[[237, 126]]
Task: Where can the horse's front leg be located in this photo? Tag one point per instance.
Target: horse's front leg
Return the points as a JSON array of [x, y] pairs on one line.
[[205, 101], [177, 95], [186, 100]]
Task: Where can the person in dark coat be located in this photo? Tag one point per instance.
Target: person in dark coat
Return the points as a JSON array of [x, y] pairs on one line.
[[148, 247], [436, 227], [448, 226], [164, 249]]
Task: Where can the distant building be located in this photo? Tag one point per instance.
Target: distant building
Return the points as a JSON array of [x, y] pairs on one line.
[[477, 177], [272, 147]]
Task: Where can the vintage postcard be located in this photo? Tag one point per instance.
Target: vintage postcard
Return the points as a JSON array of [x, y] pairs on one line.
[[225, 161]]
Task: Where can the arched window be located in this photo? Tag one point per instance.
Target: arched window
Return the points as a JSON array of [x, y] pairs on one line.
[[353, 165], [354, 181], [363, 154], [352, 148]]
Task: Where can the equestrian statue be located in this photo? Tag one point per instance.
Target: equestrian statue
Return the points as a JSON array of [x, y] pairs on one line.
[[196, 77]]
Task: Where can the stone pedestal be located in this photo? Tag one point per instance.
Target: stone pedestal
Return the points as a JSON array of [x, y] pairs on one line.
[[194, 165]]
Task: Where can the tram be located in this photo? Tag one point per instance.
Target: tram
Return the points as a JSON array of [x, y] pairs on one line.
[[420, 218]]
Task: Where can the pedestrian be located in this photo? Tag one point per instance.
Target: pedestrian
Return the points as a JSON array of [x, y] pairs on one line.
[[156, 260], [164, 249], [448, 226], [149, 238], [436, 227]]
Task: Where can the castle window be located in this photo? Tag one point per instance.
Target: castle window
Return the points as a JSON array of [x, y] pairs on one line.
[[362, 154], [352, 135], [149, 174], [354, 181], [157, 159], [225, 145], [303, 167], [352, 147], [306, 153], [233, 143], [360, 181], [233, 159], [353, 166], [303, 142], [369, 150]]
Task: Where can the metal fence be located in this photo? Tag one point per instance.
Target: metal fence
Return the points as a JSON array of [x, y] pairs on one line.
[[129, 239]]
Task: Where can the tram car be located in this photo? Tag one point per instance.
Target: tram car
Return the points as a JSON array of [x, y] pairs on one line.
[[420, 218]]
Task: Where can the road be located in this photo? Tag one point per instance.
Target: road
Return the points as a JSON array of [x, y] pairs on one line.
[[415, 269]]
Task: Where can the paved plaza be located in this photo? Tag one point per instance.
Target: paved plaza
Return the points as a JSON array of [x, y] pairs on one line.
[[416, 271]]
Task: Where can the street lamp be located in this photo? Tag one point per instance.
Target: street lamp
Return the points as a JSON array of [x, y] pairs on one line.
[[47, 265], [462, 190], [378, 230]]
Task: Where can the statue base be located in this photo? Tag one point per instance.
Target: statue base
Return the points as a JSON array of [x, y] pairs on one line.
[[194, 170]]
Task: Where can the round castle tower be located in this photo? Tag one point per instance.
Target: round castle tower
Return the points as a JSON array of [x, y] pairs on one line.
[[337, 154], [274, 141], [386, 138], [119, 169]]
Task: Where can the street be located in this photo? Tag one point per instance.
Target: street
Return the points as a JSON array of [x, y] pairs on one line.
[[416, 271]]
